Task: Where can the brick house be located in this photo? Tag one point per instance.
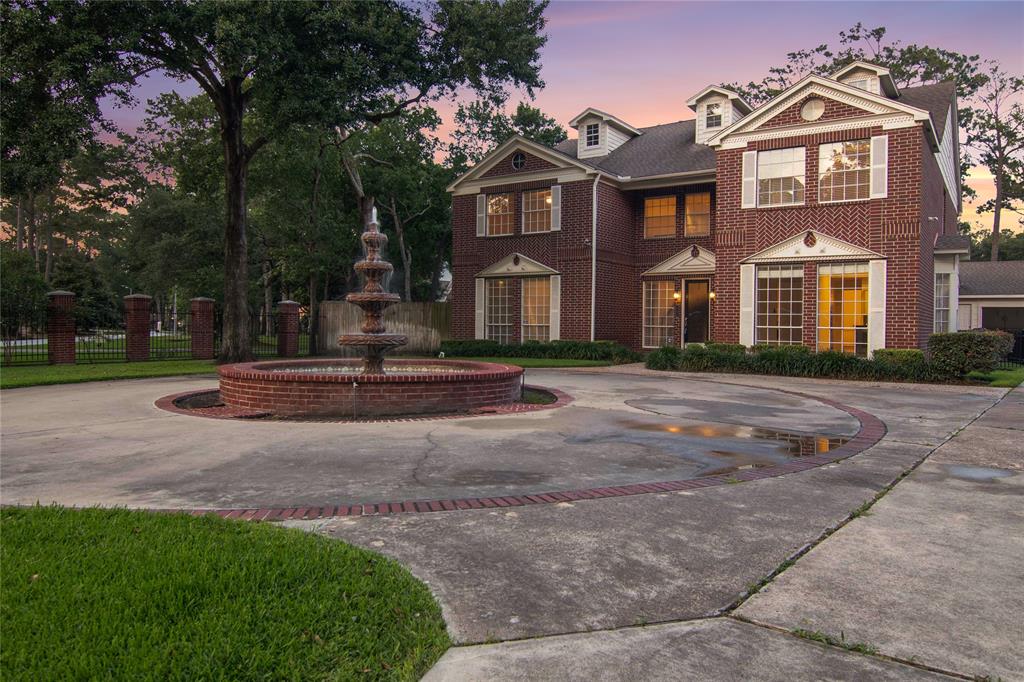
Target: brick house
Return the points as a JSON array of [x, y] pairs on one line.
[[825, 217]]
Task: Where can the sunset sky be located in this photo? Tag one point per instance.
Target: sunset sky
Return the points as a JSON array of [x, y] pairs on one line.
[[641, 60]]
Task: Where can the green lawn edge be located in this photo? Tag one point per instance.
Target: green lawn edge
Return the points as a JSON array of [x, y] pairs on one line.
[[1000, 378], [118, 594], [21, 376]]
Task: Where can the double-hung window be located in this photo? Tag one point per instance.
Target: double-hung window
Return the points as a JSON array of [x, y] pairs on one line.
[[698, 214], [713, 115], [498, 302], [781, 177], [843, 307], [500, 216], [536, 309], [659, 313], [593, 134], [942, 280], [537, 211], [659, 217], [844, 171], [780, 305]]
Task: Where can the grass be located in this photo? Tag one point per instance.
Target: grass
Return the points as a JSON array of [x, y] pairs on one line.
[[529, 363], [116, 594], [535, 397], [823, 638], [1000, 378], [41, 375]]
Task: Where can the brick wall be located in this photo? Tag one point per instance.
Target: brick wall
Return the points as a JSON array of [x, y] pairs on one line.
[[834, 109], [504, 167]]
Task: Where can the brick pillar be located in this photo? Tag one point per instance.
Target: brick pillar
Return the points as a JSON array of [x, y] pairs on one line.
[[287, 329], [60, 328], [136, 326], [201, 310]]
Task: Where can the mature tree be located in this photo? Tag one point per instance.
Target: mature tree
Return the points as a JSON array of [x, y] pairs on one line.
[[482, 124], [348, 62], [996, 133], [1011, 245]]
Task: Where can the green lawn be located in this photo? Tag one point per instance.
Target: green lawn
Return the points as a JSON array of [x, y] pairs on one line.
[[116, 594], [38, 375], [1001, 378]]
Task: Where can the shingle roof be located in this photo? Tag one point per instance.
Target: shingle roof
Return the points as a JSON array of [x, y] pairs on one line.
[[953, 242], [934, 98], [663, 149], [985, 278]]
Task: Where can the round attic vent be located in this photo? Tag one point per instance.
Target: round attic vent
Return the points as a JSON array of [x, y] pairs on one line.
[[812, 109], [518, 160]]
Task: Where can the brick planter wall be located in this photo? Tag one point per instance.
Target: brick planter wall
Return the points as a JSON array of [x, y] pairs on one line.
[[256, 386], [202, 328], [60, 328], [136, 326]]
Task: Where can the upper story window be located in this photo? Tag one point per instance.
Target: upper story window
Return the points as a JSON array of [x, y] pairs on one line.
[[593, 134], [698, 215], [500, 218], [713, 115], [862, 83], [537, 211], [659, 217], [781, 177], [844, 171]]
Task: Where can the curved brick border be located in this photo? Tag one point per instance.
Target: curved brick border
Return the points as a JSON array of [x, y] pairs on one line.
[[872, 430], [168, 403]]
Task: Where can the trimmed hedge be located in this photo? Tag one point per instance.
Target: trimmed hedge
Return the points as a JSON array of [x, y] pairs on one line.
[[565, 350], [958, 353]]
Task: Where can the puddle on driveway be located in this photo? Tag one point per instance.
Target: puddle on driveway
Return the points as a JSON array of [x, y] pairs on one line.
[[714, 448], [972, 473]]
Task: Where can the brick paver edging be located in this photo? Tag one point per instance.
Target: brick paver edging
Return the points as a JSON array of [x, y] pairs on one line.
[[872, 430], [169, 403]]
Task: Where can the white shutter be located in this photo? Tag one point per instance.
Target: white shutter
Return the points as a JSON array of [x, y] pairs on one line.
[[481, 215], [748, 197], [480, 332], [879, 167], [522, 213], [556, 207], [876, 305], [747, 305], [555, 326]]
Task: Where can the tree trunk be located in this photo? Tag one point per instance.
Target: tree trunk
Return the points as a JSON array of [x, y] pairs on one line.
[[50, 217], [31, 239], [406, 253], [268, 299], [996, 213], [236, 344], [19, 228], [314, 315]]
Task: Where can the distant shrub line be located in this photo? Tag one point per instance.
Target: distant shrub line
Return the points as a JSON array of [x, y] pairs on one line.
[[563, 350]]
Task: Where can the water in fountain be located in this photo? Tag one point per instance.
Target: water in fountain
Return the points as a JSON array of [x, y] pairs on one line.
[[373, 300]]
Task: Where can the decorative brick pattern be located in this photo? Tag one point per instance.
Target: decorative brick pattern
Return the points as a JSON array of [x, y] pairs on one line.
[[136, 324], [504, 167], [60, 328], [834, 110], [201, 310], [287, 329]]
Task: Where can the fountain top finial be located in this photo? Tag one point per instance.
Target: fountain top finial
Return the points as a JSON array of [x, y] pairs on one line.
[[373, 216]]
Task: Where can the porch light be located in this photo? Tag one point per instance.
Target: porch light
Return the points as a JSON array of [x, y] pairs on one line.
[[677, 297], [711, 295]]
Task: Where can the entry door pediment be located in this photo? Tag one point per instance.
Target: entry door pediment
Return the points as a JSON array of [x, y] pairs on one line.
[[516, 264], [812, 245], [691, 260]]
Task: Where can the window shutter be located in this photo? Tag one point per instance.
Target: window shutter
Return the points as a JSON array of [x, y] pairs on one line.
[[481, 215], [749, 190], [747, 305], [879, 167], [556, 207], [554, 328], [876, 305], [480, 332], [522, 213]]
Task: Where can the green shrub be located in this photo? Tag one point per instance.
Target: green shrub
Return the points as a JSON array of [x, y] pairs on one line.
[[958, 353], [899, 356], [666, 358], [566, 350], [762, 347], [737, 348]]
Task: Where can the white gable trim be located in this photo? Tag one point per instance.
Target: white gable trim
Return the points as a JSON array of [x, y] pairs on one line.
[[812, 245], [692, 259], [518, 142], [871, 103], [597, 113], [515, 265], [729, 94]]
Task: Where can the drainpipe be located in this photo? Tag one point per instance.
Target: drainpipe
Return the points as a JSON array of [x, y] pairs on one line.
[[593, 258]]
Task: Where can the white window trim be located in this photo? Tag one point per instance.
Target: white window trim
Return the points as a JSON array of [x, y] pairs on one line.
[[643, 312], [586, 135], [675, 214], [487, 216], [843, 201], [522, 309], [550, 212], [757, 179]]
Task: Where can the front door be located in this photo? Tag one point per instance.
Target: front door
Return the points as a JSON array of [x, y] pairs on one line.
[[696, 311]]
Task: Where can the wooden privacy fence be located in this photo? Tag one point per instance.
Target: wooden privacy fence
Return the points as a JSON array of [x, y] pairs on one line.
[[426, 325]]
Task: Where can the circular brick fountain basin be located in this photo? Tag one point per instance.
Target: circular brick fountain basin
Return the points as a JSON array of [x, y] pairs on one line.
[[336, 388]]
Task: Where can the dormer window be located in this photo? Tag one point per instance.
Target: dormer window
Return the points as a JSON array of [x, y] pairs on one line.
[[713, 117], [862, 83], [593, 134]]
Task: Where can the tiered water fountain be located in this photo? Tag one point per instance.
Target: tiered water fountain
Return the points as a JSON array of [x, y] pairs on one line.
[[371, 387]]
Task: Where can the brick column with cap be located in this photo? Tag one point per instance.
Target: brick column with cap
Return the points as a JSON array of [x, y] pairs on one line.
[[287, 329], [136, 326], [60, 328], [201, 310]]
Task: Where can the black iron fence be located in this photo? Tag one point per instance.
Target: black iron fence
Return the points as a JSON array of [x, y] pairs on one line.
[[22, 332]]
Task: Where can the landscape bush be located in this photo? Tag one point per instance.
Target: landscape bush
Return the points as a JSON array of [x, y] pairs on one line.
[[958, 353], [665, 358], [564, 350]]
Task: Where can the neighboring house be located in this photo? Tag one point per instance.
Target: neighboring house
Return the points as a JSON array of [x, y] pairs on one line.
[[826, 217], [992, 296]]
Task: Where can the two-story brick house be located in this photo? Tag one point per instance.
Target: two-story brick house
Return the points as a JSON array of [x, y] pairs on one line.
[[826, 217]]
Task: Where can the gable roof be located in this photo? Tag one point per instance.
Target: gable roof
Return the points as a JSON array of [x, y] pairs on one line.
[[661, 150], [733, 97], [936, 99], [604, 116], [985, 278], [550, 154], [884, 77], [952, 243]]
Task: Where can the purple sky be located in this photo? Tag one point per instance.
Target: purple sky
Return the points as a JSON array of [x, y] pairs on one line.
[[641, 60]]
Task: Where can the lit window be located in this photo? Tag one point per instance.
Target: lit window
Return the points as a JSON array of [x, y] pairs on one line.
[[698, 214], [536, 308], [659, 313], [659, 217], [843, 308], [844, 171], [499, 310], [537, 210], [942, 302], [500, 218], [780, 177], [780, 305], [593, 134], [713, 117]]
